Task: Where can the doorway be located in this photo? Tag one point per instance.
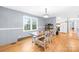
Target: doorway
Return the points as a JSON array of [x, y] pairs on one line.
[[67, 25], [73, 25], [61, 22]]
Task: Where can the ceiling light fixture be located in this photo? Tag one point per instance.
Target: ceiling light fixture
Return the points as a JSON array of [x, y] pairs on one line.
[[46, 15]]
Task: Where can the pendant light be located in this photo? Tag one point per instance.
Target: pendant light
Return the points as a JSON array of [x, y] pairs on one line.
[[46, 15]]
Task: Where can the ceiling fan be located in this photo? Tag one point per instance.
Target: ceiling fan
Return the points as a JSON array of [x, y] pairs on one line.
[[46, 15]]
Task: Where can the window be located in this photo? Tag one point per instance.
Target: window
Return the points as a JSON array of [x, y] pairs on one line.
[[34, 26], [30, 23]]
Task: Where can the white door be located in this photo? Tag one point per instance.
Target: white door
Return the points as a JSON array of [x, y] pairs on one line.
[[63, 27], [76, 25], [70, 24]]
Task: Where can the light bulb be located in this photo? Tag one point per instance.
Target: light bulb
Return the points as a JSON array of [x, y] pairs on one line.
[[45, 16]]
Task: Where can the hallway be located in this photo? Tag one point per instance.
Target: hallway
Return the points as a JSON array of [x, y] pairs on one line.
[[62, 42]]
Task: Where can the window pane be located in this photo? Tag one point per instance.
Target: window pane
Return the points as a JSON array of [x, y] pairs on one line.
[[27, 27], [34, 24], [26, 23]]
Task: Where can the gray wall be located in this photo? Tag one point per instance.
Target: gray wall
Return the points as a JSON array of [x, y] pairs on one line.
[[52, 20], [14, 19]]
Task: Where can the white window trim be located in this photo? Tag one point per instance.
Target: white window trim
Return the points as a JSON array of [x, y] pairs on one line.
[[30, 23]]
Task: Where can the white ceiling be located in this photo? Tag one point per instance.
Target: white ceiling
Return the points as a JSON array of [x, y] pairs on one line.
[[52, 10]]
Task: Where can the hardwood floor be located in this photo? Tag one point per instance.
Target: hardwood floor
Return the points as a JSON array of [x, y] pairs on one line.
[[64, 42], [21, 46]]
